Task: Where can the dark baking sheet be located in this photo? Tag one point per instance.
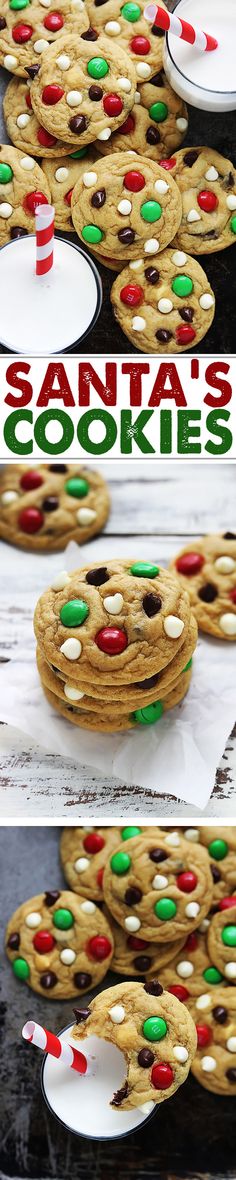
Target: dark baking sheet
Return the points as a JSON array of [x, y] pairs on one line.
[[218, 131], [193, 1134]]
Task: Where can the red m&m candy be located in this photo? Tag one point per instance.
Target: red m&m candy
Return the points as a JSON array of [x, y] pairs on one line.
[[162, 1075], [32, 200], [31, 479], [22, 33], [51, 94], [226, 903], [207, 201], [140, 45], [111, 640], [131, 295], [136, 944], [232, 595], [45, 138], [93, 842], [128, 126], [100, 875], [185, 334], [168, 164], [30, 520], [204, 1035], [189, 564], [28, 100], [54, 21], [68, 196], [134, 181], [113, 105], [191, 942], [180, 992], [99, 947], [186, 882], [43, 942]]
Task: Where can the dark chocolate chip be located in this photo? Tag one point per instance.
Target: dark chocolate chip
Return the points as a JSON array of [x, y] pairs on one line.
[[120, 1094], [220, 1014], [97, 577], [51, 897], [146, 1058], [208, 593], [190, 158], [157, 32], [159, 79], [153, 135], [3, 23], [229, 181], [82, 979], [90, 35], [126, 236], [81, 1014], [231, 1074], [14, 942], [17, 231], [60, 467], [99, 198], [163, 335], [152, 275], [50, 504], [95, 93], [211, 233], [32, 71], [142, 964], [229, 536], [215, 873], [151, 604], [187, 314], [78, 124], [48, 980], [153, 987], [133, 895], [158, 855], [150, 682]]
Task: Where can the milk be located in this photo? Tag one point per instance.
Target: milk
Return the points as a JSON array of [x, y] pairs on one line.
[[47, 314], [205, 79]]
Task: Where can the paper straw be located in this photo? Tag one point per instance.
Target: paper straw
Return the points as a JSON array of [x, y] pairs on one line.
[[44, 226], [180, 28], [49, 1043]]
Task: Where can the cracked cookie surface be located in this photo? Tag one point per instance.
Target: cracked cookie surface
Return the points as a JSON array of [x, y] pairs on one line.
[[158, 887], [88, 97], [164, 306], [28, 28], [59, 944], [125, 206], [45, 507]]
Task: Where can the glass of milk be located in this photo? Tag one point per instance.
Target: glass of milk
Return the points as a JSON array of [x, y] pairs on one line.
[[206, 80], [43, 315]]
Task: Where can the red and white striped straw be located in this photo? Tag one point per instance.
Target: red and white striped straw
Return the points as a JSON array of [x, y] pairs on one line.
[[44, 226], [180, 28], [49, 1043]]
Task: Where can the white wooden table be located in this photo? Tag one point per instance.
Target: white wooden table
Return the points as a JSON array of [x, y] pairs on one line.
[[171, 503]]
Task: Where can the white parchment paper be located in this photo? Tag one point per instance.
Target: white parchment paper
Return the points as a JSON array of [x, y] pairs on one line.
[[178, 755]]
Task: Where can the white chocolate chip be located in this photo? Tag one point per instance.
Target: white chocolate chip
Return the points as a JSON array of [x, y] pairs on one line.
[[71, 649], [27, 163], [231, 1044], [143, 70], [88, 907], [8, 497], [173, 840], [185, 969], [74, 98], [203, 1002], [192, 834], [138, 323], [182, 124], [81, 864], [45, 3], [137, 264], [204, 925], [159, 882], [147, 1107], [231, 202], [228, 623], [41, 45], [61, 174], [173, 626], [132, 924], [208, 1064], [32, 920], [124, 84], [9, 61], [137, 98], [112, 28], [113, 603], [89, 178], [67, 956], [225, 565], [165, 306], [72, 694], [161, 186], [105, 134], [151, 246], [206, 301], [117, 1013], [212, 173], [6, 209], [22, 120], [179, 258], [180, 1053], [63, 61], [60, 581], [85, 516], [78, 4], [125, 207], [192, 909], [230, 970], [193, 215]]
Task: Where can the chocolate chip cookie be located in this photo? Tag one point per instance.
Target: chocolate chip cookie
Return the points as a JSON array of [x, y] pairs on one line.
[[23, 187], [44, 507], [214, 1064], [84, 91], [207, 569], [207, 183], [112, 720], [165, 308], [59, 944], [23, 128], [222, 940], [126, 207], [151, 132], [25, 36], [158, 887]]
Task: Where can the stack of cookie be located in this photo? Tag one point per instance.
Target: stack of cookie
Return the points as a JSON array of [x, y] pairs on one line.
[[115, 644]]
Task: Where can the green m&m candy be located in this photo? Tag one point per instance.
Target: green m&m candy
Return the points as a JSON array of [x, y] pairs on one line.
[[74, 613], [165, 909], [151, 211], [92, 234], [158, 111], [79, 154], [211, 975], [155, 1028], [97, 67], [218, 849], [182, 285], [63, 919], [18, 4], [21, 968], [233, 224], [187, 666], [228, 935], [128, 833], [77, 487], [144, 569], [131, 12], [149, 714], [120, 863], [6, 173]]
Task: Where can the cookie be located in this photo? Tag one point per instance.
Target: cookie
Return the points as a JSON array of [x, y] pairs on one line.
[[23, 187], [155, 1033], [134, 957], [165, 308], [191, 971], [207, 183], [214, 1064], [221, 846], [129, 620], [44, 507], [114, 720], [141, 133], [83, 853], [24, 37], [62, 175], [159, 888], [222, 940], [207, 569], [59, 944], [89, 96], [124, 207], [126, 26], [23, 128]]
